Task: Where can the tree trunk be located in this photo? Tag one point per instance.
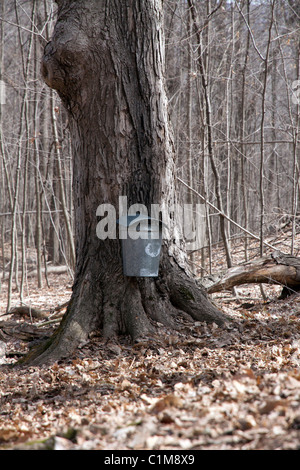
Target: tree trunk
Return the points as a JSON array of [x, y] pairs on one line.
[[106, 62], [208, 118]]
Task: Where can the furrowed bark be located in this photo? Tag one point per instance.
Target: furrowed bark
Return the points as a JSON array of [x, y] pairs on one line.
[[106, 62]]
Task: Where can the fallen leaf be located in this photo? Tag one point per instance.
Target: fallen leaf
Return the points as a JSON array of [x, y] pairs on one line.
[[126, 385], [166, 402], [271, 405]]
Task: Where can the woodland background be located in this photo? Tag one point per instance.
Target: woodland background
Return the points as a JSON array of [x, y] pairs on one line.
[[230, 72]]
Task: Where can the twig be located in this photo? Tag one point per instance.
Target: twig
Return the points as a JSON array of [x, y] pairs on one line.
[[49, 322], [224, 215]]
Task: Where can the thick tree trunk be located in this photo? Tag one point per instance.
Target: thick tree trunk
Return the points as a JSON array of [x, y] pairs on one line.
[[106, 62]]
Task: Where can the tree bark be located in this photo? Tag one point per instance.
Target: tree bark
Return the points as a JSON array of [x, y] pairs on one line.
[[106, 60]]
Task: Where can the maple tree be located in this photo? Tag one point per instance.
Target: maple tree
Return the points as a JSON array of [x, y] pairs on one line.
[[106, 63]]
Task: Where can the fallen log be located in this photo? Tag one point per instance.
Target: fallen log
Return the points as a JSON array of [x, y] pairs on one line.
[[22, 331], [50, 269], [27, 311], [278, 268], [31, 312]]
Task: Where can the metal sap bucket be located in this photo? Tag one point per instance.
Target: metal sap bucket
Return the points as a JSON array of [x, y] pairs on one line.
[[141, 245]]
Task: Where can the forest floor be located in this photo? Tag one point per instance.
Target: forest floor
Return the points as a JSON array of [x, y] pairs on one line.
[[201, 388]]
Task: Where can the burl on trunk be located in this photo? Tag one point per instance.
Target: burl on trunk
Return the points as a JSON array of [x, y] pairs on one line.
[[106, 62]]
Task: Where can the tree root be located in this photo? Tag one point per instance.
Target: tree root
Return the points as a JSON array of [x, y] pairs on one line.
[[131, 306], [190, 297]]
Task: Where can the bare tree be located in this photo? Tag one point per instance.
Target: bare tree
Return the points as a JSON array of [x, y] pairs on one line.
[[113, 88], [229, 84]]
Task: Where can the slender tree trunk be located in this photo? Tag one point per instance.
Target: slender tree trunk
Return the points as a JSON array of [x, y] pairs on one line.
[[70, 235], [215, 171], [294, 124], [262, 132], [231, 181], [189, 105], [38, 198], [243, 133], [2, 183], [23, 118], [106, 62]]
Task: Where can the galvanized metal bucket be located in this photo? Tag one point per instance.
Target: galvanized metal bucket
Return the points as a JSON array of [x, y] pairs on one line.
[[142, 246]]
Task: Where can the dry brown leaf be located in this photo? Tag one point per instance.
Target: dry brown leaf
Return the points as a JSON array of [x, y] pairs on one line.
[[166, 402], [193, 391], [272, 404], [126, 385]]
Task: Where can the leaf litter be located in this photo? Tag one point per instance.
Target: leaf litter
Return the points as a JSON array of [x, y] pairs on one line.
[[201, 388]]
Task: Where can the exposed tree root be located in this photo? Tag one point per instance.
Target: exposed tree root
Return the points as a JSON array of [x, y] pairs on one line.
[[133, 307], [190, 297]]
